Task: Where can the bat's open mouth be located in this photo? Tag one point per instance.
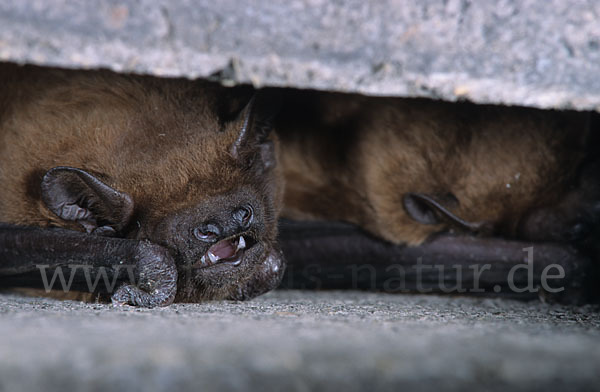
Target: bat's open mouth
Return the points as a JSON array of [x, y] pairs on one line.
[[228, 251]]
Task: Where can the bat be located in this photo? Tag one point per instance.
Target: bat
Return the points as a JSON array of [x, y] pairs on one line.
[[422, 178], [405, 169], [177, 178]]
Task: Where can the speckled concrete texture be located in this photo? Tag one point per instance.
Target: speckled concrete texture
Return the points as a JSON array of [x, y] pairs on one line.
[[543, 53], [300, 341]]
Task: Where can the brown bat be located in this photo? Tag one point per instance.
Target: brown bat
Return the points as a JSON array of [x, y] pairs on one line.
[[404, 169], [422, 173], [178, 178]]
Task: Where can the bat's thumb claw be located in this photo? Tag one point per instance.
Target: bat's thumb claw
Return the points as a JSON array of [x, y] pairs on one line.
[[156, 279], [124, 296], [132, 295]]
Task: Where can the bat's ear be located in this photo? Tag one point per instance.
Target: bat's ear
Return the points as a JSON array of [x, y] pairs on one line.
[[76, 195], [427, 210], [418, 208], [253, 126]]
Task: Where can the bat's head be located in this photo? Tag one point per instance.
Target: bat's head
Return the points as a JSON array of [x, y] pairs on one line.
[[225, 247], [207, 187], [224, 235]]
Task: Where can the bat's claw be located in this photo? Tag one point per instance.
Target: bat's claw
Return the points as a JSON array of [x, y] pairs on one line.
[[132, 295], [157, 279]]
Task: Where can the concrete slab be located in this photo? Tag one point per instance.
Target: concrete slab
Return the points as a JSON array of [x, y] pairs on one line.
[[543, 53], [301, 341]]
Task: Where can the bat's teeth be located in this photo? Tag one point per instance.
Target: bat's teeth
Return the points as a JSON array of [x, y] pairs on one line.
[[241, 243], [203, 259], [212, 257]]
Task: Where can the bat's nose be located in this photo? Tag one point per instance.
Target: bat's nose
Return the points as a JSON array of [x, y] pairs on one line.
[[208, 232], [243, 216], [239, 220]]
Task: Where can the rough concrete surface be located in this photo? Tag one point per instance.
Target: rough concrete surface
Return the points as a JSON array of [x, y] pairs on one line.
[[300, 341], [543, 53]]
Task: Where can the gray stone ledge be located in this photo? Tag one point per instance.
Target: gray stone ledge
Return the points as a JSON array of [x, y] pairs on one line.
[[300, 341], [543, 53]]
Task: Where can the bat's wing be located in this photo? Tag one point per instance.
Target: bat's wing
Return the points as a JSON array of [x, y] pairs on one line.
[[65, 259], [327, 255]]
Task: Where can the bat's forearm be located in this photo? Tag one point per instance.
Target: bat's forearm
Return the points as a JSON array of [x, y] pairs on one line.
[[149, 267], [334, 256], [23, 248]]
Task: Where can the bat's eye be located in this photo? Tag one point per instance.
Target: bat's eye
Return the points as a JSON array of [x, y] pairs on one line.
[[243, 215], [207, 232]]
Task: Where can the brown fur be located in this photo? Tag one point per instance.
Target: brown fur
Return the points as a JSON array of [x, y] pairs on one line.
[[352, 158], [158, 140]]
